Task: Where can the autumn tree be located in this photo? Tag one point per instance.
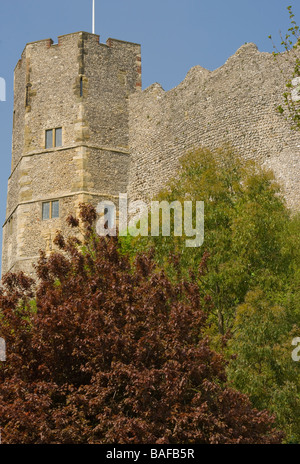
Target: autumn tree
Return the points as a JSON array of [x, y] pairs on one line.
[[100, 351]]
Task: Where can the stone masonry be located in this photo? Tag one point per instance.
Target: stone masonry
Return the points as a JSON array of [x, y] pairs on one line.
[[117, 138], [235, 104], [81, 86]]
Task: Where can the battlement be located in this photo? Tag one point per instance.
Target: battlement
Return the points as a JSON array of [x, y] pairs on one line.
[[67, 39]]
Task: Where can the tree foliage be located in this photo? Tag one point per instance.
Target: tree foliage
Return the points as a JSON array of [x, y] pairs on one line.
[[291, 44], [244, 240], [248, 274], [263, 367], [103, 352]]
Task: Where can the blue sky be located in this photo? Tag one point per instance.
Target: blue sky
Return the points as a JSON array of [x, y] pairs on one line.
[[175, 35]]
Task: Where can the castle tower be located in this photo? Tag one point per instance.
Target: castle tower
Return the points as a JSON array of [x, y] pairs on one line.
[[70, 137]]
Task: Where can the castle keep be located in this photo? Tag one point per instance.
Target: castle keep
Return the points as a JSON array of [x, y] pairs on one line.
[[70, 136], [83, 131]]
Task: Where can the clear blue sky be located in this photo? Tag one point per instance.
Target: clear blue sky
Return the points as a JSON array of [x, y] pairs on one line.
[[175, 35]]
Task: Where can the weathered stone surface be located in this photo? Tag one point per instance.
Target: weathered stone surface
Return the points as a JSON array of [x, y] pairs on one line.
[[117, 138], [82, 86], [234, 104]]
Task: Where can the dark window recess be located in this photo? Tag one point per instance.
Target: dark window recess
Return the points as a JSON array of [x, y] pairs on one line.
[[27, 99], [81, 87]]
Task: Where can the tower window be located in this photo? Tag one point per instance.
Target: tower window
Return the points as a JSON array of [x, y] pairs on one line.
[[49, 138], [27, 99], [81, 86], [58, 137], [53, 138], [50, 210]]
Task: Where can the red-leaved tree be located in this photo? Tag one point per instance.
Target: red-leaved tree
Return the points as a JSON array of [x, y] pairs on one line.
[[100, 352]]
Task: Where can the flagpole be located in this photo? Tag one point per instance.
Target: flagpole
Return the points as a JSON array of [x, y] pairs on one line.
[[93, 16]]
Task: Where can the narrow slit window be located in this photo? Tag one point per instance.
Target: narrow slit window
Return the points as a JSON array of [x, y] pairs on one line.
[[81, 87], [49, 138], [106, 213], [27, 102]]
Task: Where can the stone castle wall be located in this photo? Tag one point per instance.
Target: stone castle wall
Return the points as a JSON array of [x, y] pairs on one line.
[[234, 104], [117, 138], [83, 87]]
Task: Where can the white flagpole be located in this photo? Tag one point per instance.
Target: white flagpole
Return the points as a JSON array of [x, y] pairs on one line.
[[93, 16]]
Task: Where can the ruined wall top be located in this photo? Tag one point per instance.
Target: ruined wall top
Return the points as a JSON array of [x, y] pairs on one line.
[[234, 104]]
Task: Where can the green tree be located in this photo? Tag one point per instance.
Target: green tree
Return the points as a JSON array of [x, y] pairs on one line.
[[248, 272], [291, 44], [245, 223], [262, 366]]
